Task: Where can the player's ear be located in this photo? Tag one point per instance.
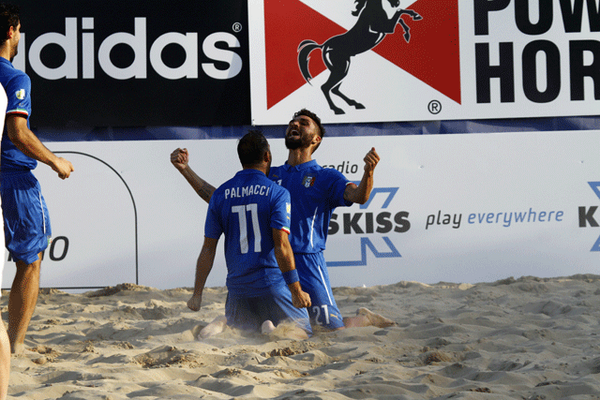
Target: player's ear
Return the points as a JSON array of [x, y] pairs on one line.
[[316, 139], [267, 156]]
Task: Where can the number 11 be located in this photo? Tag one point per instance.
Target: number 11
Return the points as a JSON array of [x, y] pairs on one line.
[[241, 212]]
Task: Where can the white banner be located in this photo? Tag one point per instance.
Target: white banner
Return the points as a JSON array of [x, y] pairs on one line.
[[424, 60], [460, 208]]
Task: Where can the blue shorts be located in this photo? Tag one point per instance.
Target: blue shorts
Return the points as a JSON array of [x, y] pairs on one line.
[[314, 280], [248, 313], [26, 221]]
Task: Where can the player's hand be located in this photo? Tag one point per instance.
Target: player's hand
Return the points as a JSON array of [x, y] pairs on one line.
[[180, 159], [371, 160], [301, 299], [195, 302], [62, 167]]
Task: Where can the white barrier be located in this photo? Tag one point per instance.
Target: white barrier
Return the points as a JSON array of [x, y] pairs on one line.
[[460, 208]]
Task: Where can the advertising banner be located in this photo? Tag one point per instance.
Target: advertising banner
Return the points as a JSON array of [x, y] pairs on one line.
[[136, 63], [457, 208], [354, 61]]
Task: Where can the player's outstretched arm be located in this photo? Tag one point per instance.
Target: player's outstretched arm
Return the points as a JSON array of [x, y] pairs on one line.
[[360, 194], [180, 160], [203, 268], [26, 141], [287, 265]]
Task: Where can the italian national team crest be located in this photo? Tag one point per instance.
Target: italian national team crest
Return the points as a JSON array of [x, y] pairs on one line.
[[308, 181]]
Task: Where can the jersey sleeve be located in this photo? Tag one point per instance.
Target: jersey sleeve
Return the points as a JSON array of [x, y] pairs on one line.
[[281, 208], [337, 189], [18, 91], [275, 175]]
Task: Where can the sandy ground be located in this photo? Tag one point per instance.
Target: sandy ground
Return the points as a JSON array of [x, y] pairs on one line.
[[528, 338]]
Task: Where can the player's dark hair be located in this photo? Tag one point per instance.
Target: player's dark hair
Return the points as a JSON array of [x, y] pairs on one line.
[[9, 16], [252, 147], [314, 117]]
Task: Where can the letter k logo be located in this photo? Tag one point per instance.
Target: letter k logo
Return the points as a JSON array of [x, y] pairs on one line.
[[596, 188]]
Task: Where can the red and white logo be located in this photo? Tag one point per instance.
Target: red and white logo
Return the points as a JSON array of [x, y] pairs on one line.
[[353, 61], [394, 60]]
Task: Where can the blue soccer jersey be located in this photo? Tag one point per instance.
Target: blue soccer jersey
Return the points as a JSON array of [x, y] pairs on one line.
[[316, 192], [238, 209], [3, 104], [18, 89]]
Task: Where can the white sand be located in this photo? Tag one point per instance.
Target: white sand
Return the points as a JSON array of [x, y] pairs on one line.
[[528, 338]]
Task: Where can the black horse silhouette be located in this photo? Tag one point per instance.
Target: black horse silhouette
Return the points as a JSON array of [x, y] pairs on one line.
[[371, 27]]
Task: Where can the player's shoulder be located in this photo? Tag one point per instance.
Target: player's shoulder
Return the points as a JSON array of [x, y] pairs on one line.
[[330, 173], [16, 83], [271, 181], [277, 188], [223, 187], [11, 75], [276, 172]]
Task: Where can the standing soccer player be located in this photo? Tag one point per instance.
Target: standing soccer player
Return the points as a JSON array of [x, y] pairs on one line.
[[26, 221], [4, 342], [253, 213]]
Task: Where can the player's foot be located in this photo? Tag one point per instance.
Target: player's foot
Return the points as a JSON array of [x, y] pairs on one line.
[[215, 327], [267, 327], [17, 348], [375, 319]]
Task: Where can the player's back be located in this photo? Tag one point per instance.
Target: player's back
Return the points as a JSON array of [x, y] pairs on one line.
[[245, 209]]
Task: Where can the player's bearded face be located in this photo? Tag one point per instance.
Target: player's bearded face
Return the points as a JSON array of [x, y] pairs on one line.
[[299, 134], [297, 142], [13, 51], [14, 42]]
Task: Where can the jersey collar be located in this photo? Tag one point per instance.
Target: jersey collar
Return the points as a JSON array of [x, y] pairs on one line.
[[5, 61], [301, 167], [250, 171]]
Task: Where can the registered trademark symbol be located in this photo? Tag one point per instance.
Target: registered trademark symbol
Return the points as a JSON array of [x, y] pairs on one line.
[[237, 27], [434, 107]]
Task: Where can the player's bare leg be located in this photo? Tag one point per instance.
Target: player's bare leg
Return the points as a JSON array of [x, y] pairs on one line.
[[21, 302], [216, 326], [365, 317], [4, 361]]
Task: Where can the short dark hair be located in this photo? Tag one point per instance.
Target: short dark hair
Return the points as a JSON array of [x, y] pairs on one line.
[[252, 147], [314, 117], [9, 16]]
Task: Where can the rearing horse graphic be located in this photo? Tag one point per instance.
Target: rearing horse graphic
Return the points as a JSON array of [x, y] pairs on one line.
[[371, 27]]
